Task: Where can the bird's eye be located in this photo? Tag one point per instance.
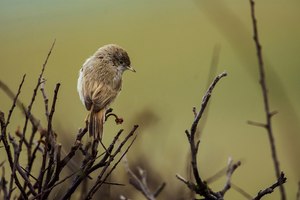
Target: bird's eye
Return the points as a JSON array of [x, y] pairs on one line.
[[121, 62]]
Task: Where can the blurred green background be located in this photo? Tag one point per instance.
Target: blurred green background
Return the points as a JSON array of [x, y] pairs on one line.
[[171, 46]]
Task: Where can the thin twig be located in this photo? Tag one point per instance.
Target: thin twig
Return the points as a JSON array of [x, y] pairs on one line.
[[259, 124], [264, 89], [48, 142], [34, 95], [231, 168], [53, 108], [87, 166], [159, 189], [46, 100], [281, 180], [7, 147], [19, 149], [100, 181], [62, 163], [194, 147], [3, 184]]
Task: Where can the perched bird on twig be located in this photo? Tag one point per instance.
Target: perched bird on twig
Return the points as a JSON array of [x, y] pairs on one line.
[[99, 83]]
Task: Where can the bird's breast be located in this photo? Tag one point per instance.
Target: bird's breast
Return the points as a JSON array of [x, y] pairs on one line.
[[117, 81]]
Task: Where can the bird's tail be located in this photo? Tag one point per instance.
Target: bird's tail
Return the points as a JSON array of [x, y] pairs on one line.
[[96, 124]]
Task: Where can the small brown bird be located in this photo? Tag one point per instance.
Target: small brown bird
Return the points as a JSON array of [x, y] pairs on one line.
[[99, 83]]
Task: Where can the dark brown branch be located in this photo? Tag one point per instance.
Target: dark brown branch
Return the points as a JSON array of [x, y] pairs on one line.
[[62, 163], [205, 100], [4, 138], [51, 145], [46, 100], [35, 123], [3, 184], [75, 146], [200, 187], [34, 96], [263, 84], [100, 181], [53, 107], [2, 122], [28, 113], [194, 147], [87, 166], [281, 180]]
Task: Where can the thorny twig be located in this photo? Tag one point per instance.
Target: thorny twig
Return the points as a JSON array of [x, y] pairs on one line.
[[263, 84]]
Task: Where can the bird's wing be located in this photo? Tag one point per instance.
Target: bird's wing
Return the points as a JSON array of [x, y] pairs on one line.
[[102, 96]]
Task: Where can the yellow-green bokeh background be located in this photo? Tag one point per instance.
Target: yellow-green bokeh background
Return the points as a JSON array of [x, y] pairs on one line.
[[170, 44]]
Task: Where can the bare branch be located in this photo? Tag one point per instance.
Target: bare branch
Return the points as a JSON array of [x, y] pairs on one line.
[[281, 180], [200, 187], [7, 147], [3, 184], [257, 124], [46, 100], [100, 181], [190, 185], [231, 168], [264, 89]]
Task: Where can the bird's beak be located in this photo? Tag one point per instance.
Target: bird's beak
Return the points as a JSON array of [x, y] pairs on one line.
[[131, 69]]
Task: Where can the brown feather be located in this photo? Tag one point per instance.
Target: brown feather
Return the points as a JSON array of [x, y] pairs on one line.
[[96, 124]]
